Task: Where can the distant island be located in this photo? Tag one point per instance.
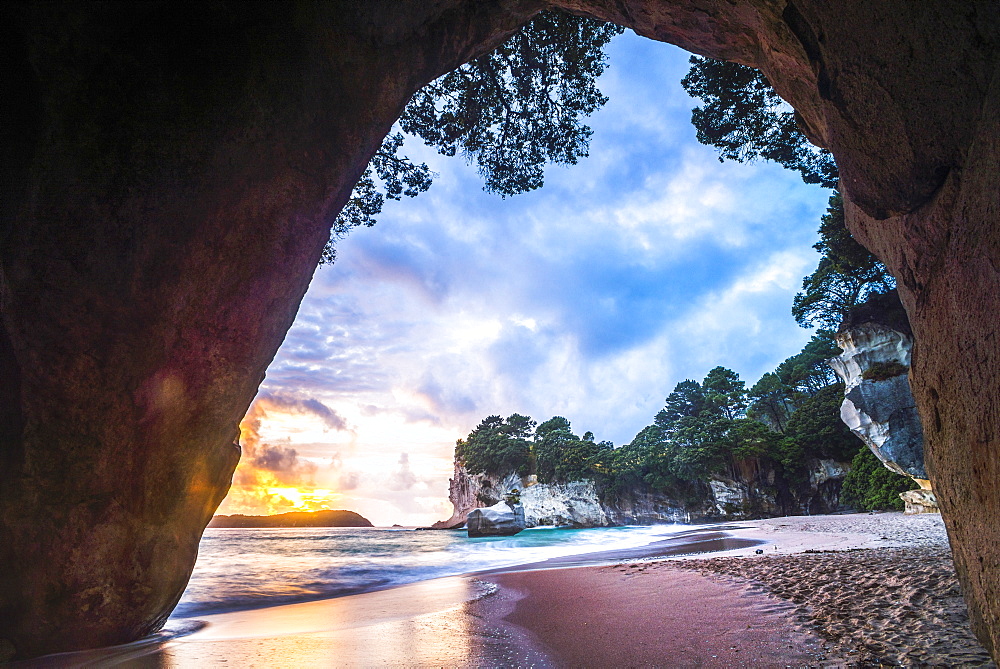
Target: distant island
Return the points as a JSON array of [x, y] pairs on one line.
[[294, 519]]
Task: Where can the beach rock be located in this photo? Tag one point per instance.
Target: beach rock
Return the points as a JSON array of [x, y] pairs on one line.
[[758, 490], [575, 504], [920, 501], [499, 520], [729, 497], [878, 405]]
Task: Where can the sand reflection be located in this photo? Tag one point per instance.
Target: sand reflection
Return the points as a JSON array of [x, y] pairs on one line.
[[420, 624]]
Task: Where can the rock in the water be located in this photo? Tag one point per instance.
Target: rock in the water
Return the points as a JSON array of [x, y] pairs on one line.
[[499, 520]]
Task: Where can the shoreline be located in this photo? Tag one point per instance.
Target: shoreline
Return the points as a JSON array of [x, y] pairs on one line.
[[659, 604]]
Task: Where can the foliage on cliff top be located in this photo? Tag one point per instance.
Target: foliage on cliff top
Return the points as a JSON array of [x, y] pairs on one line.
[[705, 429], [498, 446]]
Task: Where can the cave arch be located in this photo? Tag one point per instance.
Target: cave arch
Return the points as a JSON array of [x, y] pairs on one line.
[[169, 181]]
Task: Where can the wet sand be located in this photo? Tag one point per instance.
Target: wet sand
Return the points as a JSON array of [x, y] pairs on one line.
[[855, 590], [619, 617]]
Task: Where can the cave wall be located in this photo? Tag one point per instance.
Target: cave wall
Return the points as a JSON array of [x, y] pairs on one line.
[[170, 175], [906, 96], [177, 172]]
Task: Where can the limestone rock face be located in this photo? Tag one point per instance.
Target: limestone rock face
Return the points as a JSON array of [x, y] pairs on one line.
[[499, 520], [919, 501], [558, 504], [760, 493], [582, 504], [574, 504], [878, 404]]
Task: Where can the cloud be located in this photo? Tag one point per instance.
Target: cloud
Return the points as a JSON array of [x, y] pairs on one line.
[[646, 263], [402, 478], [349, 480], [442, 399], [271, 476], [269, 401]]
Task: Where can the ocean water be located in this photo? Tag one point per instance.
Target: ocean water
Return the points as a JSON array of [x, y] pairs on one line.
[[250, 568]]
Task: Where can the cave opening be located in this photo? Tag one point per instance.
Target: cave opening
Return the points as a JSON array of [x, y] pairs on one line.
[[156, 243]]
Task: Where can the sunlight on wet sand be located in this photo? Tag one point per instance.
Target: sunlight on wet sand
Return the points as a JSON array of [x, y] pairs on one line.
[[425, 623]]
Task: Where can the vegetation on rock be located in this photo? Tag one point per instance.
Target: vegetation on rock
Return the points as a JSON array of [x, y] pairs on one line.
[[846, 276], [871, 486], [709, 429], [881, 371]]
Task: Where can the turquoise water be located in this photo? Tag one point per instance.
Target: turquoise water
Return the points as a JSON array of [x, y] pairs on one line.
[[249, 568]]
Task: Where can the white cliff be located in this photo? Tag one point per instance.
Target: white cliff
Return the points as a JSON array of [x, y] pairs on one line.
[[581, 503], [878, 404]]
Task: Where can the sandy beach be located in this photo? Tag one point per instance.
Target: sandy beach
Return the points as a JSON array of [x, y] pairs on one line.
[[862, 590]]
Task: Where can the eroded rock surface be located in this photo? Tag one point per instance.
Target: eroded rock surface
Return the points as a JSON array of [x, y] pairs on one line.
[[169, 180], [878, 405], [756, 493]]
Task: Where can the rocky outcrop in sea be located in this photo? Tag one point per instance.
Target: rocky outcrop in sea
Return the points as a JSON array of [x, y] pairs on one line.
[[503, 519]]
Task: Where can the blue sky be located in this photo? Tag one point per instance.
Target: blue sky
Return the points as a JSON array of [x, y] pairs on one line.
[[647, 263]]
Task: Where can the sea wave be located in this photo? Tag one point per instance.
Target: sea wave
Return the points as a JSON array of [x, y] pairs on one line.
[[253, 568]]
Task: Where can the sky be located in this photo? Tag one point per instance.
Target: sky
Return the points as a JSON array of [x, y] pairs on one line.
[[647, 263]]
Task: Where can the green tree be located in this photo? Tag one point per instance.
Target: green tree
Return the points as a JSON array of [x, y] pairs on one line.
[[769, 401], [724, 393], [806, 372], [561, 456], [643, 461], [750, 438], [509, 112], [687, 399], [818, 429], [498, 446], [847, 274], [552, 438], [745, 120], [870, 485], [398, 175]]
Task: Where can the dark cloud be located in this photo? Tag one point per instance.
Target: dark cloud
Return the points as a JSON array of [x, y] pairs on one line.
[[309, 406], [275, 458]]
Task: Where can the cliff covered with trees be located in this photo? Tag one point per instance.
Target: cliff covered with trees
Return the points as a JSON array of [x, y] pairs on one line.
[[716, 449]]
